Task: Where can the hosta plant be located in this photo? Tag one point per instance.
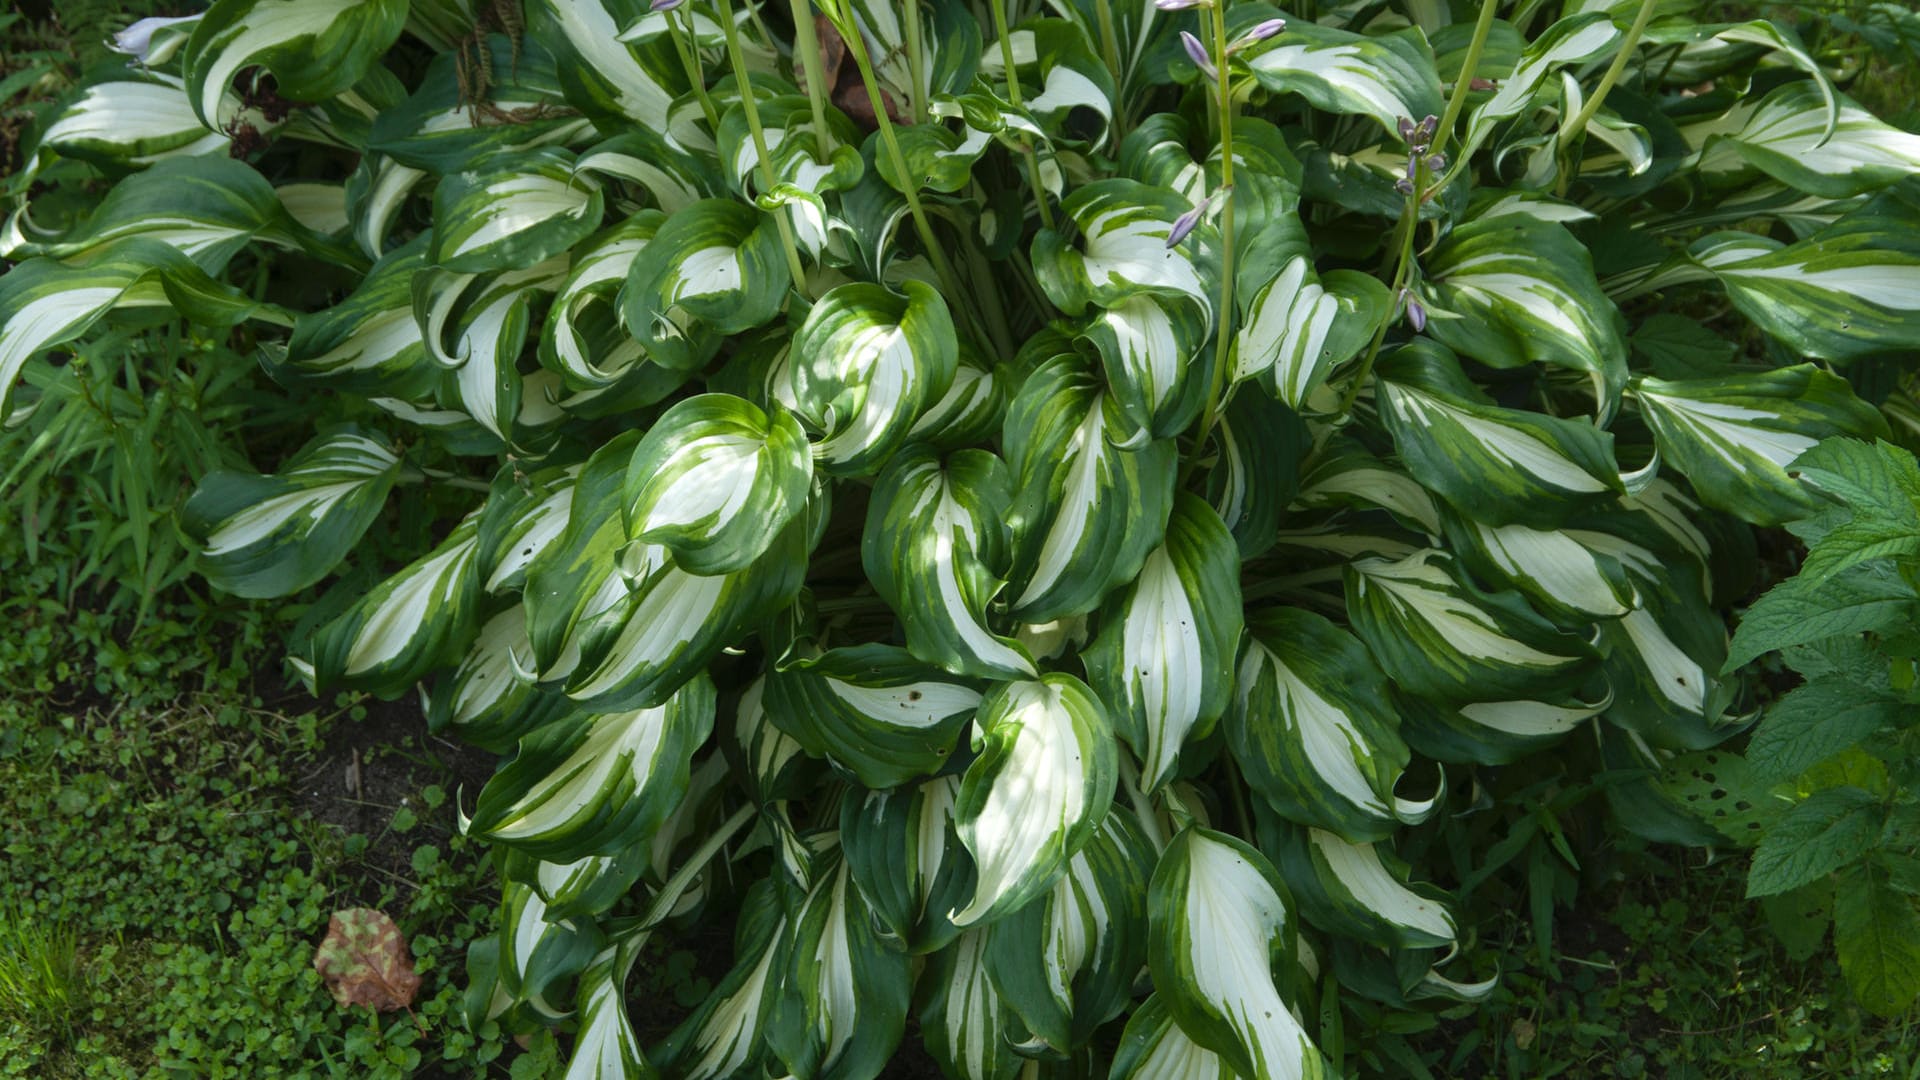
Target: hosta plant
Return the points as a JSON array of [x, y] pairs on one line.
[[1017, 508]]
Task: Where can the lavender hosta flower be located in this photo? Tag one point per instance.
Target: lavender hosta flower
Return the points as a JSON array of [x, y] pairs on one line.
[[1180, 5], [1184, 225], [1261, 31], [1197, 53], [1416, 311], [137, 40], [665, 5]]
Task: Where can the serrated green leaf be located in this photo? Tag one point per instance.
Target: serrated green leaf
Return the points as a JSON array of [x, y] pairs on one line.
[[1816, 721], [1800, 610], [1828, 830]]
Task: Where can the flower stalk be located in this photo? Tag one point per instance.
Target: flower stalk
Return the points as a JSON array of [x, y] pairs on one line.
[[999, 8], [768, 178], [807, 43]]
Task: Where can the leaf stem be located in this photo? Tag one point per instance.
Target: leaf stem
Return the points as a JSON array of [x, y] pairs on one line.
[[857, 44], [1599, 95], [999, 8], [689, 59], [1223, 317], [807, 43], [1409, 224], [768, 179], [1109, 44], [917, 93]]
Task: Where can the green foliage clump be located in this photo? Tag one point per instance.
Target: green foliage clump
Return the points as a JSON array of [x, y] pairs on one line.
[[1052, 520]]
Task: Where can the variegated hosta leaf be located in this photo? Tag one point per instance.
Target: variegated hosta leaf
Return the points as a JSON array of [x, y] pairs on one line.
[[1148, 345], [799, 166], [489, 318], [1386, 77], [1574, 39], [842, 1002], [1123, 250], [1491, 732], [950, 49], [1502, 466], [130, 121], [314, 48], [1086, 511], [1065, 963], [368, 342], [46, 303], [1163, 661], [605, 1047], [207, 208], [1154, 1048], [908, 860], [935, 542], [583, 339], [539, 959], [376, 193], [971, 410], [595, 784], [967, 1027], [1312, 726], [715, 480], [1219, 921], [491, 699], [583, 888], [713, 269], [573, 584], [411, 623], [1733, 437], [1036, 793], [724, 1036], [1850, 290], [512, 208], [872, 710], [864, 366], [1300, 325], [1788, 136], [440, 130], [1344, 473], [524, 515], [1563, 576], [1350, 890], [675, 178], [274, 535], [1262, 445], [671, 623], [1061, 73], [1516, 290], [601, 75], [1439, 639], [1663, 660]]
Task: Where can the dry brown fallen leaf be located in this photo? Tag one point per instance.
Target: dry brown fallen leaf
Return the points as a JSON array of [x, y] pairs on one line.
[[365, 961]]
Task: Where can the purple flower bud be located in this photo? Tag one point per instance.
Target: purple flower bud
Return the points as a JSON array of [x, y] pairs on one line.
[[665, 5], [1403, 185], [1184, 225], [1428, 126], [1177, 5], [1416, 312], [1405, 128], [1261, 31], [1197, 53], [1436, 162], [137, 40]]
